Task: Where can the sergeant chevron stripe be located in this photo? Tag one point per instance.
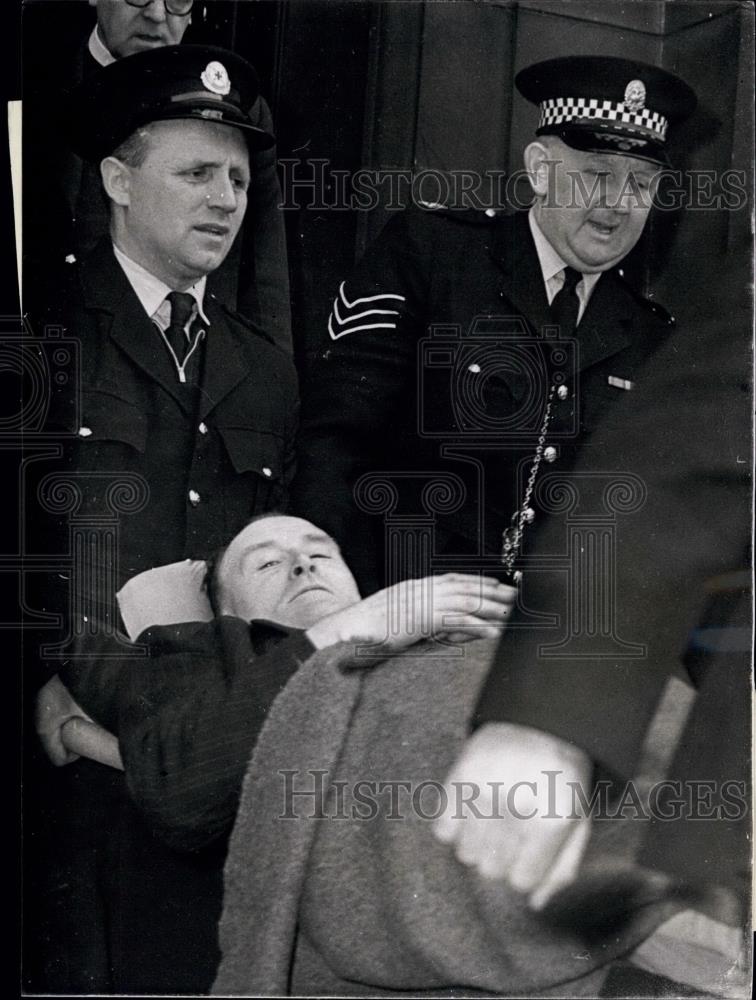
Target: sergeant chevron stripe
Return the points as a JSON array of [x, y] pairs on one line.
[[344, 322]]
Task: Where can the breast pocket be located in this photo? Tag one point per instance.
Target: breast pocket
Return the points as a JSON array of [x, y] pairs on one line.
[[111, 429], [600, 396], [257, 458]]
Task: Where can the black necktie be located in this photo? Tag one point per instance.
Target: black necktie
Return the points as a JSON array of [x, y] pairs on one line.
[[566, 304], [182, 306]]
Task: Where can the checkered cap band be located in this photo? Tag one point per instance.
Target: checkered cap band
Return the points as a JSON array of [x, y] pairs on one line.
[[560, 110]]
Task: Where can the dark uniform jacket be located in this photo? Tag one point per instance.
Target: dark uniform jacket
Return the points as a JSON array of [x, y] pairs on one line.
[[199, 468], [438, 358]]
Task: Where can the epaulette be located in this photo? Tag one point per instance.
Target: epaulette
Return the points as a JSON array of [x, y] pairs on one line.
[[466, 216], [655, 307], [246, 321]]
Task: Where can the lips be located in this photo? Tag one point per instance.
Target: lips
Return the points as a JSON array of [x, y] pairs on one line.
[[213, 229], [307, 590], [604, 229]]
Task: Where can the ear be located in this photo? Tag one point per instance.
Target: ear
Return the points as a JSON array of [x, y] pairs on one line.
[[116, 179], [538, 161]]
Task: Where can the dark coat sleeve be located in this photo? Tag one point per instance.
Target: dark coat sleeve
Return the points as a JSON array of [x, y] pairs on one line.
[[358, 389], [685, 434], [187, 716]]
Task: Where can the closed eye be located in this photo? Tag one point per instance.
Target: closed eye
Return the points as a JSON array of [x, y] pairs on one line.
[[268, 564]]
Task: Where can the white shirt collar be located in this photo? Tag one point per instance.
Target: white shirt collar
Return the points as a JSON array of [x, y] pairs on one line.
[[552, 267], [152, 292], [550, 261], [98, 50]]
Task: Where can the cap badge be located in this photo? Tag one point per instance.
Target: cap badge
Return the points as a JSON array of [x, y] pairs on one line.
[[635, 96], [215, 78]]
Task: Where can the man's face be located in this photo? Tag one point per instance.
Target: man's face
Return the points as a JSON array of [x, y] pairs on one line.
[[285, 570], [126, 30], [186, 202], [595, 207]]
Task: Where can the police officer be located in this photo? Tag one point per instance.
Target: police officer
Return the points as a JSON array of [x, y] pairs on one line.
[[180, 426], [477, 349], [68, 213], [175, 386]]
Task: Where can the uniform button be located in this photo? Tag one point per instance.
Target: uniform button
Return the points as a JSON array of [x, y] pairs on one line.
[[194, 498], [529, 515], [267, 472], [563, 392], [474, 368], [550, 453], [203, 428], [84, 432]]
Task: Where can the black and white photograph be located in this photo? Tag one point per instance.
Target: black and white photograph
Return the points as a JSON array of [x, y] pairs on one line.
[[379, 408]]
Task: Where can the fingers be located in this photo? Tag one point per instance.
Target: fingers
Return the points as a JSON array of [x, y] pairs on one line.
[[494, 602], [469, 584], [538, 852], [566, 865], [455, 638], [92, 741], [480, 607], [493, 845], [470, 577], [471, 626], [481, 836], [53, 746], [463, 583]]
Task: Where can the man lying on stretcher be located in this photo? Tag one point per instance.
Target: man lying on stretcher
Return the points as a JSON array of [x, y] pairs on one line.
[[183, 720]]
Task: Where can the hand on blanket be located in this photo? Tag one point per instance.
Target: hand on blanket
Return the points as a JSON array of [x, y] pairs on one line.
[[456, 604], [512, 811]]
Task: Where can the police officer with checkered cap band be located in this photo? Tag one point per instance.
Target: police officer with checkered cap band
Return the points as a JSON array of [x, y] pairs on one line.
[[607, 105], [386, 394], [188, 403]]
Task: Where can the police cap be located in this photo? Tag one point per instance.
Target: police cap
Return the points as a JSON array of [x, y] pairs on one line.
[[607, 105], [199, 82]]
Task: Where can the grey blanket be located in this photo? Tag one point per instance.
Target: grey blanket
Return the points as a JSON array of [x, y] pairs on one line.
[[359, 904]]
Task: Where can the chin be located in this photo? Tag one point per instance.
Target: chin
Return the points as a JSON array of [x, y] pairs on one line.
[[319, 606], [601, 261], [206, 263]]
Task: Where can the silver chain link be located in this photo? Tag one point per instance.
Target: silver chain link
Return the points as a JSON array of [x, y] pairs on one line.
[[512, 537]]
